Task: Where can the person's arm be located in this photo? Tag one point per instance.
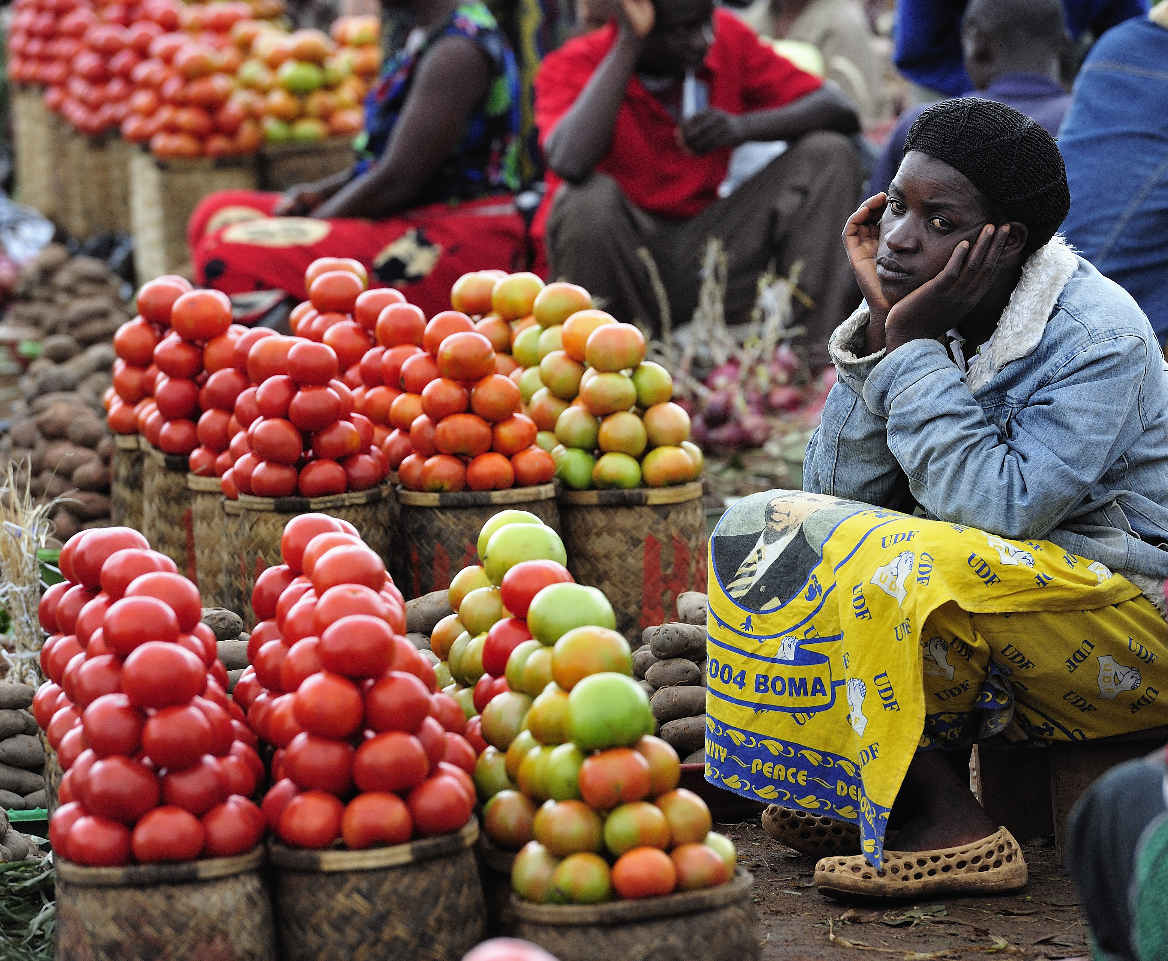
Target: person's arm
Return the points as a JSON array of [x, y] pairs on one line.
[[1023, 479], [451, 79], [303, 198], [583, 136]]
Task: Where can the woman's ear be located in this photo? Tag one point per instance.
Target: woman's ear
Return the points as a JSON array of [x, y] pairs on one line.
[[1016, 240]]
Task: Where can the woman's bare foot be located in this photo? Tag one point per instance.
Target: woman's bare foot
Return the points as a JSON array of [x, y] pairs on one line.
[[935, 808]]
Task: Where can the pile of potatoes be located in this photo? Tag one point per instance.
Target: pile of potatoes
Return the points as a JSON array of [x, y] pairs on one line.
[[58, 435], [670, 664], [231, 640], [14, 846], [22, 756]]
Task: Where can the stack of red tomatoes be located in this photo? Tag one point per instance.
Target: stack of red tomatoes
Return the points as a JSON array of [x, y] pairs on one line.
[[158, 761], [456, 415], [367, 750], [43, 39]]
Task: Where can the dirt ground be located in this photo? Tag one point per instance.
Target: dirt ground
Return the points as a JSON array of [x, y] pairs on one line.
[[796, 923]]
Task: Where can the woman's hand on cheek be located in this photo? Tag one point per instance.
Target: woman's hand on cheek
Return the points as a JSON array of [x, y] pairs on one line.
[[943, 302], [862, 240]]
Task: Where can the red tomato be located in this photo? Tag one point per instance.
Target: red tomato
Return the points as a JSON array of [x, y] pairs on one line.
[[113, 725], [345, 599], [376, 817], [167, 833], [173, 589], [310, 820], [464, 780], [223, 389], [433, 738], [158, 674], [358, 645], [241, 775], [123, 566], [335, 290], [321, 544], [365, 471], [371, 303], [442, 325], [177, 398], [201, 315], [134, 342], [71, 747], [90, 617], [266, 591], [120, 789], [177, 436], [439, 805], [268, 357], [233, 827], [176, 357], [320, 763], [277, 798], [98, 842], [268, 662], [282, 725], [96, 676], [274, 480], [338, 440], [397, 702], [56, 654], [393, 761], [59, 825], [503, 637], [95, 546], [348, 564], [299, 531], [447, 711], [44, 703], [526, 579], [47, 608], [399, 325], [157, 297], [474, 735], [459, 752], [328, 705], [311, 364], [300, 663], [197, 788], [136, 620], [275, 439], [274, 395], [176, 737], [315, 408], [391, 363]]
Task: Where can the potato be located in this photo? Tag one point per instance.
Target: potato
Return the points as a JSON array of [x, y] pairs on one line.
[[419, 640], [698, 757], [54, 422], [422, 613], [98, 329], [648, 688], [105, 448], [65, 525], [89, 505], [23, 750], [20, 781], [16, 721], [232, 677], [233, 654], [670, 703], [677, 640], [63, 457], [24, 433], [14, 695], [685, 735], [224, 624], [9, 800], [86, 431], [691, 608], [15, 846], [60, 348], [94, 476], [38, 799], [643, 659], [673, 672]]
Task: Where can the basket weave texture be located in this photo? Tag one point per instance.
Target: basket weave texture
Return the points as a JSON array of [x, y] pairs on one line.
[[166, 509], [208, 523], [95, 194], [715, 924], [412, 902], [641, 547], [163, 195], [218, 910], [259, 525], [34, 136], [126, 482], [439, 532], [285, 165]]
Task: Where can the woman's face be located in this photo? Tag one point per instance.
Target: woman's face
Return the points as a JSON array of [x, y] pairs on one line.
[[931, 208]]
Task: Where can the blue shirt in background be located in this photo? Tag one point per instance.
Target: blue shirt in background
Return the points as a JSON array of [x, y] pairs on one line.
[[1114, 142]]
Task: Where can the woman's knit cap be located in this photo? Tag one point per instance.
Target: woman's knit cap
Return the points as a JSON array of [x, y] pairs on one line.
[[1009, 157]]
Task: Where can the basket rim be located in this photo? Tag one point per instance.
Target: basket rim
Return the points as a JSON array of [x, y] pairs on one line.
[[303, 505], [511, 495], [145, 874], [642, 909], [370, 859], [635, 496], [172, 462], [496, 858], [127, 442], [204, 485]]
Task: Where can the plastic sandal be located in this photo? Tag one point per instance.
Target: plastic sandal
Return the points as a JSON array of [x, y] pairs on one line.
[[811, 834], [993, 865]]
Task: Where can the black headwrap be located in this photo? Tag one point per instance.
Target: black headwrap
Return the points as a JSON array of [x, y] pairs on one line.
[[1010, 158]]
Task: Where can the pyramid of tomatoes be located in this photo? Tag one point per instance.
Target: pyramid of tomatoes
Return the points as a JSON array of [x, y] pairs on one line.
[[367, 751], [158, 762]]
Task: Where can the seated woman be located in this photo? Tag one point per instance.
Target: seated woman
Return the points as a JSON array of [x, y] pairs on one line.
[[985, 535], [430, 197]]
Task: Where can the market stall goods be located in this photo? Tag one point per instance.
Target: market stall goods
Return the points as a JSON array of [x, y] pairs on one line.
[[158, 764], [22, 756], [14, 846]]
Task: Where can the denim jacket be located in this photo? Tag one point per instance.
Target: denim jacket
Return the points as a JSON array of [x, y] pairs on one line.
[[1058, 430]]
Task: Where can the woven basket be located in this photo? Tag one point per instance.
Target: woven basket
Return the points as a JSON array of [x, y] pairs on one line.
[[495, 872], [288, 164], [164, 194], [715, 924], [53, 775], [33, 132], [261, 523], [95, 195], [230, 584], [190, 911], [208, 522], [642, 547], [126, 482], [410, 902], [166, 508], [440, 531]]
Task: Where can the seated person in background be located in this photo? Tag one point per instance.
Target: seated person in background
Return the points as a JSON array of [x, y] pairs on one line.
[[430, 197], [1011, 50], [638, 121], [840, 31], [1114, 140], [1000, 420], [928, 38]]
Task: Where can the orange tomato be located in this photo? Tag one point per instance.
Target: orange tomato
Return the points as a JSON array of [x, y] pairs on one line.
[[644, 873], [533, 466], [489, 472], [441, 472], [465, 434]]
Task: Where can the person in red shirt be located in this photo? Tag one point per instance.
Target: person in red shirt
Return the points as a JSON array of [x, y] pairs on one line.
[[638, 121]]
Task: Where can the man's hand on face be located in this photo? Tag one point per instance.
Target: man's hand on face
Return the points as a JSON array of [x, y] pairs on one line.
[[711, 130], [637, 17]]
